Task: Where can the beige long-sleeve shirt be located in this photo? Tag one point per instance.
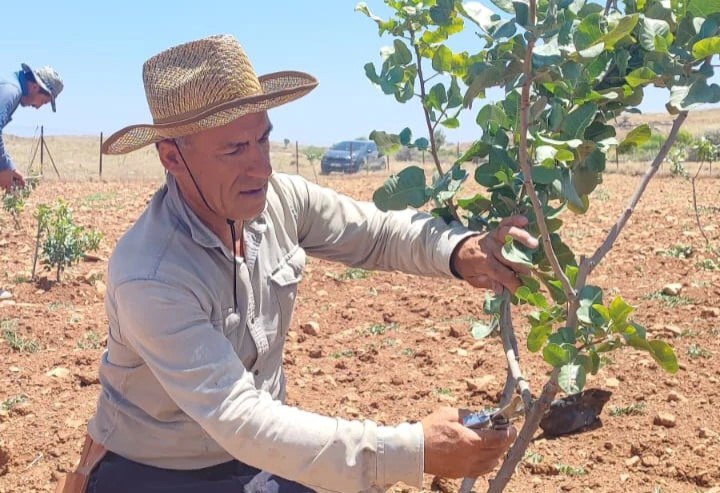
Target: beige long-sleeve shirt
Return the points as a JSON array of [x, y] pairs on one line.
[[184, 388]]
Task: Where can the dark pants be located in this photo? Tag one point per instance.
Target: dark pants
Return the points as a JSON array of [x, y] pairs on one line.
[[116, 474]]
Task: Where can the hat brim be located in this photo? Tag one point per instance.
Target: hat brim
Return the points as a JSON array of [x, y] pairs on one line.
[[278, 88], [41, 83]]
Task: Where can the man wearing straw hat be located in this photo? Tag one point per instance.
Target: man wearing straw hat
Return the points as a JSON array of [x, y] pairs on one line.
[[26, 87], [201, 291]]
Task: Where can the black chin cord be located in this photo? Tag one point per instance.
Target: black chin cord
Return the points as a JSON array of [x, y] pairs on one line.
[[230, 222]]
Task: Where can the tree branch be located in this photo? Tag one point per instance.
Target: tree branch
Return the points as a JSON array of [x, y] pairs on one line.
[[525, 163], [587, 265], [509, 341], [532, 423], [431, 130]]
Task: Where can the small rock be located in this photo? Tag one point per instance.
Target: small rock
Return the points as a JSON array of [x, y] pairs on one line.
[[481, 384], [675, 396], [710, 312], [4, 458], [706, 433], [612, 383], [632, 461], [454, 332], [664, 419], [672, 289], [443, 485], [100, 287], [396, 380], [650, 461], [58, 372], [321, 293], [315, 353], [624, 477], [310, 328], [673, 329], [5, 295], [462, 352], [14, 369]]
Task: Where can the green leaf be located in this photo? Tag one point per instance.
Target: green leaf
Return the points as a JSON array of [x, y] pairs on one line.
[[524, 293], [522, 12], [537, 337], [516, 254], [441, 13], [481, 330], [371, 74], [640, 76], [556, 355], [437, 97], [704, 8], [402, 53], [575, 123], [636, 137], [545, 176], [479, 149], [454, 96], [450, 123], [405, 136], [589, 296], [623, 28], [690, 97], [387, 143], [619, 310], [706, 47], [488, 75], [664, 354], [421, 144], [477, 204], [505, 5], [572, 378], [650, 29], [407, 188], [442, 60]]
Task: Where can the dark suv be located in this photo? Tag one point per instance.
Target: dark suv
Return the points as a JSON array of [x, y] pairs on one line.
[[350, 156]]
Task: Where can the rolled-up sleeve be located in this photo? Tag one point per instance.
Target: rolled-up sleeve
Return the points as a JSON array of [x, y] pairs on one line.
[[10, 96], [198, 368], [336, 227]]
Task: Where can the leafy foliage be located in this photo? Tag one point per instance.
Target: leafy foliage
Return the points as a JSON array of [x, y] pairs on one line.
[[568, 70], [64, 242], [14, 199]]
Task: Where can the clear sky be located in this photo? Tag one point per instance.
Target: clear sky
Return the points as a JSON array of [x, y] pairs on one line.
[[99, 48]]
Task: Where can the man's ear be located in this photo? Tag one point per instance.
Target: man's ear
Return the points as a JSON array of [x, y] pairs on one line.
[[170, 157], [33, 88]]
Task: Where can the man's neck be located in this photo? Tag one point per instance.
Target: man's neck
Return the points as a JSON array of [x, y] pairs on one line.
[[215, 223]]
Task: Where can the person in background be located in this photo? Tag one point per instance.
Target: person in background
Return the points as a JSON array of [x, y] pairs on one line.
[[26, 87]]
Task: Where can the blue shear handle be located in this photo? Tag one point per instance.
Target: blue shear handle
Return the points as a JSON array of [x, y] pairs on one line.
[[477, 421]]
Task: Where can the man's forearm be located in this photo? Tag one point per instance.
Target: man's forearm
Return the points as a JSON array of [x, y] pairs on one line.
[[5, 161]]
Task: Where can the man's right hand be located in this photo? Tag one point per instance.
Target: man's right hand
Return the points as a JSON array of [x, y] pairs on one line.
[[455, 451], [10, 178]]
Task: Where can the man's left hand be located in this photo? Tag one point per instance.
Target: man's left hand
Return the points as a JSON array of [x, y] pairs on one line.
[[479, 259]]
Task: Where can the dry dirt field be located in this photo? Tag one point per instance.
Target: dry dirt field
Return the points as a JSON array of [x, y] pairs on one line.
[[392, 347]]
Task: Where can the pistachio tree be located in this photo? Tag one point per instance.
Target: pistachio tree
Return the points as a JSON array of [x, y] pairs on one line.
[[567, 70]]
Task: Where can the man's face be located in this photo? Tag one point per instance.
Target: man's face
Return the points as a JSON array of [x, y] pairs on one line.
[[36, 96], [231, 165]]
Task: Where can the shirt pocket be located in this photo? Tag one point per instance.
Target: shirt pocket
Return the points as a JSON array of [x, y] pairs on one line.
[[284, 283]]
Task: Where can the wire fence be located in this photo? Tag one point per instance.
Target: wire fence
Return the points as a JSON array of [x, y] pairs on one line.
[[78, 158]]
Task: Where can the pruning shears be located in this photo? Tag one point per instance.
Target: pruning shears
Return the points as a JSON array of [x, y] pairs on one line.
[[499, 419]]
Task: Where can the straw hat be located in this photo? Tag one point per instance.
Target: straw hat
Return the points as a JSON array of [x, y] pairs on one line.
[[204, 84]]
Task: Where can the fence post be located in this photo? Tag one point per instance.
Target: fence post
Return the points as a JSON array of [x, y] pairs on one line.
[[42, 148], [101, 143]]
